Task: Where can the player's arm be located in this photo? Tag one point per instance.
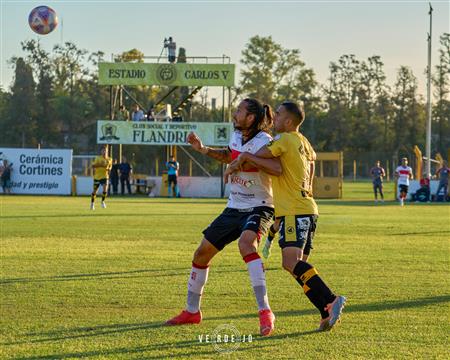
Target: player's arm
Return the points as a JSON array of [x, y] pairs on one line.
[[270, 165], [411, 176], [222, 155], [312, 170], [96, 164], [263, 160]]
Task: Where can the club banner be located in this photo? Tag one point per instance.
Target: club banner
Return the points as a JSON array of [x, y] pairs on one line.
[[161, 133], [166, 74], [38, 171]]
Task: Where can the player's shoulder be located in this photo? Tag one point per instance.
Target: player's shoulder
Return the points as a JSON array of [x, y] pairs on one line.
[[262, 135], [262, 138]]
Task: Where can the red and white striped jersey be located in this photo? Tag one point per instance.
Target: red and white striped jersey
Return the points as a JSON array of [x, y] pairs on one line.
[[249, 188], [403, 174]]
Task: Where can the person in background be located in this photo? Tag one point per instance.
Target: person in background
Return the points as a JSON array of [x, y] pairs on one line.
[[114, 177], [137, 114], [151, 114], [101, 165], [172, 171], [403, 173], [377, 173], [443, 172], [6, 177], [125, 170], [122, 114], [423, 194]]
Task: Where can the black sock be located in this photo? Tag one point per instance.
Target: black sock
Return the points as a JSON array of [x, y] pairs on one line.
[[315, 299], [104, 196], [308, 275], [92, 197]]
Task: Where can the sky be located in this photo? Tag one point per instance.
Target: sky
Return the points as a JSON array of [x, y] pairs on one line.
[[322, 30]]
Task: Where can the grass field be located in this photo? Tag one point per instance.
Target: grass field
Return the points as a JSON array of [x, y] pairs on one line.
[[98, 285]]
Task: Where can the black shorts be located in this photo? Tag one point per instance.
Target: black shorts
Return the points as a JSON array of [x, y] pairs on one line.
[[378, 185], [229, 225], [298, 231], [403, 188], [102, 182], [172, 179]]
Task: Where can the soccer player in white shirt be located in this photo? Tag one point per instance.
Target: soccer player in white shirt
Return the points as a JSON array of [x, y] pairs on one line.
[[403, 173], [248, 214]]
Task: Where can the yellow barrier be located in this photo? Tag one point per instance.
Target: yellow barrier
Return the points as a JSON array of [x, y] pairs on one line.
[[328, 178], [164, 185], [74, 185]]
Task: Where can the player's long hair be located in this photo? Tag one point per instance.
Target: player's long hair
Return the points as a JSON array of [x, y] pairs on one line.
[[263, 116]]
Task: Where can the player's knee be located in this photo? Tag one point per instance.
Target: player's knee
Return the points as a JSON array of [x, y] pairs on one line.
[[247, 243], [289, 264], [203, 255]]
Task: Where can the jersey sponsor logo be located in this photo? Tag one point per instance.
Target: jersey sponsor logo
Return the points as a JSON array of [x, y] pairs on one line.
[[244, 182], [303, 223]]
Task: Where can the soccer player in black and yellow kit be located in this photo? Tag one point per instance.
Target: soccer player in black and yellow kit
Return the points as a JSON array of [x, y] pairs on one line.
[[102, 165], [295, 207]]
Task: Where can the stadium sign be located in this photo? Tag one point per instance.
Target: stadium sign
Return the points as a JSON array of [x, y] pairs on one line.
[[166, 74], [39, 171], [161, 133]]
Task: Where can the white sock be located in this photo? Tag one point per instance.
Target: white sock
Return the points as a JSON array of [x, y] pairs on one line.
[[255, 269], [196, 283]]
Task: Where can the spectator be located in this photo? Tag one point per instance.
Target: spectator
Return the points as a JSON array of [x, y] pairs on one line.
[[125, 170], [122, 114], [114, 177], [151, 114], [443, 172], [172, 49], [423, 194], [172, 167], [137, 114], [6, 177]]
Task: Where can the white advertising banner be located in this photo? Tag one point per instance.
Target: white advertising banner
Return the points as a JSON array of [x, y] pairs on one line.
[[161, 133], [39, 171]]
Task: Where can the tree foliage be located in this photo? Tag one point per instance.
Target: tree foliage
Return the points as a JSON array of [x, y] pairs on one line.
[[55, 100]]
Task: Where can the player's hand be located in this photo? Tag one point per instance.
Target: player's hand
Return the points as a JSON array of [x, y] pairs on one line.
[[195, 141], [228, 171]]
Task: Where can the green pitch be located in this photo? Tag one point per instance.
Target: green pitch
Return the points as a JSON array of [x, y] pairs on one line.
[[98, 285]]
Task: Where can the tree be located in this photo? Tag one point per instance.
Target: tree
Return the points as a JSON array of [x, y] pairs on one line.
[[22, 106], [274, 74], [409, 116], [70, 105], [441, 109], [48, 130]]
